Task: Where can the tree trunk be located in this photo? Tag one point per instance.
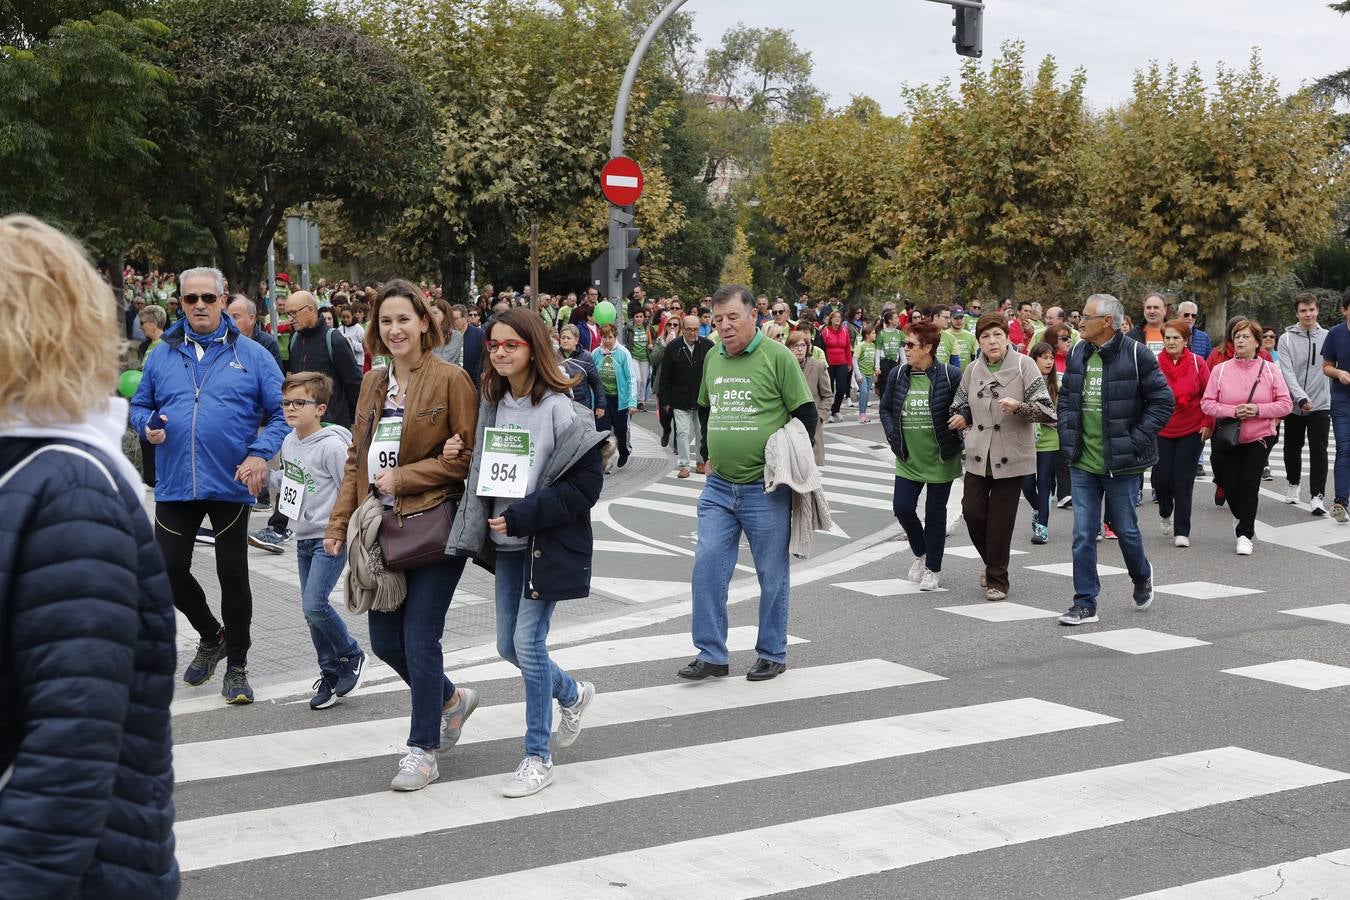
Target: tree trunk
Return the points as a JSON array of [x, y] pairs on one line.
[[1003, 284], [1216, 321], [534, 266]]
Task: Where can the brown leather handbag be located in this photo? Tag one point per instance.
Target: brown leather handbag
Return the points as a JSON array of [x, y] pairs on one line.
[[417, 539]]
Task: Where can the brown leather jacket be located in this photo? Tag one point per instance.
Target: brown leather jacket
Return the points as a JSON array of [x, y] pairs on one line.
[[441, 401]]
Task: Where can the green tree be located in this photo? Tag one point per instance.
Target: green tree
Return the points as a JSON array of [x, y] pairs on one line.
[[992, 182], [1336, 85], [1208, 187]]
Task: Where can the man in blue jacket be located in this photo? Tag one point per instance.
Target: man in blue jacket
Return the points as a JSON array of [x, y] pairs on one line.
[[200, 401], [1113, 401]]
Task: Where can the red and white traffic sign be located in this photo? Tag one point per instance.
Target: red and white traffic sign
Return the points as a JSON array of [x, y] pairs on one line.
[[621, 181]]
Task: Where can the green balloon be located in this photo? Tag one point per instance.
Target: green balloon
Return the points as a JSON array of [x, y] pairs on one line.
[[605, 313], [128, 382]]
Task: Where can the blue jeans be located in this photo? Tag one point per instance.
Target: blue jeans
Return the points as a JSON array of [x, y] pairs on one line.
[[928, 539], [1340, 426], [725, 510], [1118, 492], [864, 394], [409, 641], [522, 640], [1039, 487], [319, 572]]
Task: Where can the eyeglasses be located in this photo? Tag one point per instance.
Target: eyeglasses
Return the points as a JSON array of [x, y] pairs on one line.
[[192, 299], [298, 404], [295, 313], [510, 346]]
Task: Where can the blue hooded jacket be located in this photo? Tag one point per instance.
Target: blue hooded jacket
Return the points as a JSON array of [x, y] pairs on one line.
[[215, 407]]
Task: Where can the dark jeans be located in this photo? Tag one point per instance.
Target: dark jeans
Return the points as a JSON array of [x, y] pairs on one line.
[[1092, 492], [176, 527], [1340, 425], [1038, 488], [1315, 426], [990, 510], [883, 372], [666, 416], [841, 378], [1174, 479], [409, 640], [615, 420], [148, 462], [1238, 472], [929, 538], [1063, 483]]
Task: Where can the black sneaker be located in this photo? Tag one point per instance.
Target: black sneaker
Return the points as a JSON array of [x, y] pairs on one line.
[[1078, 615], [1143, 594], [699, 669], [325, 694], [623, 460], [236, 689], [1218, 496], [203, 665], [665, 439], [350, 672]]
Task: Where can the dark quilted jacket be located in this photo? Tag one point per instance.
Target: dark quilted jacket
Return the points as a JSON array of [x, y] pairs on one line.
[[1136, 403], [87, 664]]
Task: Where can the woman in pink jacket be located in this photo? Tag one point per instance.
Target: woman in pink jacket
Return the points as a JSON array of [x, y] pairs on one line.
[[838, 341], [1251, 390]]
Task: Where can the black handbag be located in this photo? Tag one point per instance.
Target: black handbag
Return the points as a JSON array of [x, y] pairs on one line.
[[417, 539], [1228, 431]]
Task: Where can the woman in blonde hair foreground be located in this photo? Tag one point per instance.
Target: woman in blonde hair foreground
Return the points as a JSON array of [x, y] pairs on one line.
[[86, 619]]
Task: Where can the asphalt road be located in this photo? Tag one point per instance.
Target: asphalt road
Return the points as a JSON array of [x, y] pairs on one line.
[[910, 751]]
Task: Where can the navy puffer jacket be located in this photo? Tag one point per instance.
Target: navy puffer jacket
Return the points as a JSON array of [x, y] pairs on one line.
[[87, 665], [943, 381], [1136, 403]]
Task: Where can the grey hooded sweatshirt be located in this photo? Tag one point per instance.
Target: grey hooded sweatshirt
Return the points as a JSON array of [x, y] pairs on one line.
[[322, 459], [1301, 366]]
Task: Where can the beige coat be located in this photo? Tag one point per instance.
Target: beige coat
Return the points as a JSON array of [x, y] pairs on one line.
[[817, 376], [1000, 443]]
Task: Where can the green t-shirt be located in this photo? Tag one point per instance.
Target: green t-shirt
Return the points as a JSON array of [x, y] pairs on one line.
[[1092, 455], [1047, 438], [892, 343], [641, 339], [749, 397], [564, 316], [925, 463], [609, 380], [958, 345], [866, 354]]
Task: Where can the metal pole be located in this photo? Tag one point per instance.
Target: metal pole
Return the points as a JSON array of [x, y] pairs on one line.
[[272, 286]]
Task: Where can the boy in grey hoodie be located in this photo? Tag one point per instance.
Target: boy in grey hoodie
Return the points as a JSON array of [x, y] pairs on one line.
[[313, 459], [1300, 350]]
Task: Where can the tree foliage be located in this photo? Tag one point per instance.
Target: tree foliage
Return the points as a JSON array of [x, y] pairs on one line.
[[1208, 187]]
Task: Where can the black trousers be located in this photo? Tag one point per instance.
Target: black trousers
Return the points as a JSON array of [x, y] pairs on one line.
[[148, 461], [1315, 427], [989, 507], [616, 420], [841, 377], [1238, 472], [1174, 479], [176, 527]]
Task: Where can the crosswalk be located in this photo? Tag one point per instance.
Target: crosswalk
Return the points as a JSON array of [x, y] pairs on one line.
[[303, 797]]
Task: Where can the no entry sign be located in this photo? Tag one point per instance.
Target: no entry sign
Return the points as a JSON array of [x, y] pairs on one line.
[[621, 181]]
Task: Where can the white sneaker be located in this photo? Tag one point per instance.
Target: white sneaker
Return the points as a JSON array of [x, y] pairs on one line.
[[569, 717], [929, 582], [951, 526], [1064, 502], [1182, 541], [416, 770], [1291, 494], [531, 776], [1318, 505], [1167, 527], [1244, 546], [916, 570]]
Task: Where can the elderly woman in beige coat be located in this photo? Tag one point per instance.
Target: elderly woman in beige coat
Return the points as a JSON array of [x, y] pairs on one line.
[[1001, 399], [817, 376]]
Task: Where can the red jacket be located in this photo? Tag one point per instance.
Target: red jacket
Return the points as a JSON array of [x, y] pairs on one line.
[[838, 346], [1225, 353], [1187, 377]]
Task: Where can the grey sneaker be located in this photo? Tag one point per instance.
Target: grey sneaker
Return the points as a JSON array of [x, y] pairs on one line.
[[453, 717], [267, 539], [569, 717], [416, 770], [531, 776], [1338, 512]]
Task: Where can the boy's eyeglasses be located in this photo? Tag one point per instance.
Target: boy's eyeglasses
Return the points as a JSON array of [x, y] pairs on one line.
[[298, 404]]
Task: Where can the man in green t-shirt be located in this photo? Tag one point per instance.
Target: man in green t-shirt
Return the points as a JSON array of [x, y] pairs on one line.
[[958, 343], [751, 387]]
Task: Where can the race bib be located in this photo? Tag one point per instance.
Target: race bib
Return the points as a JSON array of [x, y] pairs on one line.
[[292, 489], [505, 467], [383, 456]]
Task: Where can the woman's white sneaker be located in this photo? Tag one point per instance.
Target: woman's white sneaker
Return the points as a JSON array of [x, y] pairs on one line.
[[1291, 494], [1244, 546], [1167, 527], [916, 570], [929, 582], [531, 776], [1182, 540]]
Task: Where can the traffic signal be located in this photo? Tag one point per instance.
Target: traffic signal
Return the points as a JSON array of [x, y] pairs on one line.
[[969, 37], [632, 259]]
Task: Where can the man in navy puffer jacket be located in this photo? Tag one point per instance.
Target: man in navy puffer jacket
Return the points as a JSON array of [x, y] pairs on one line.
[[201, 398]]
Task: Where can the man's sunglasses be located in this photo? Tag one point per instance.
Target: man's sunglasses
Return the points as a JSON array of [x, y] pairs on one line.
[[208, 299]]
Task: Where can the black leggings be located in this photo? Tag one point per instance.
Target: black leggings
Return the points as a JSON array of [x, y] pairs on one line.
[[840, 380], [616, 420], [1174, 479], [176, 527], [1238, 472]]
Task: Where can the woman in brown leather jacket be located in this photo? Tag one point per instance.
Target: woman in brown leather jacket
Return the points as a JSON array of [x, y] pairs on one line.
[[404, 416]]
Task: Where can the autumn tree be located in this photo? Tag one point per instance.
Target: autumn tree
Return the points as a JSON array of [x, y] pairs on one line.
[[993, 177], [1207, 187]]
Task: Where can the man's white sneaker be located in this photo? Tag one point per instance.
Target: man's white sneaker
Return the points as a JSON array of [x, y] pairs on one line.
[[1182, 540], [1167, 527], [1291, 494], [531, 776], [916, 570], [1244, 546], [929, 582], [569, 717], [1318, 505], [416, 770]]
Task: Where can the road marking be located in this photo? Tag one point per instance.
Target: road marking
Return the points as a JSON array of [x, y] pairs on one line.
[[885, 587], [884, 489], [362, 740], [1332, 612], [875, 503], [671, 490], [1136, 640], [999, 612], [628, 547], [1303, 879], [638, 590], [594, 656], [814, 852], [674, 509], [880, 476], [1299, 673], [969, 552], [862, 462], [1205, 590], [1066, 569], [343, 821]]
